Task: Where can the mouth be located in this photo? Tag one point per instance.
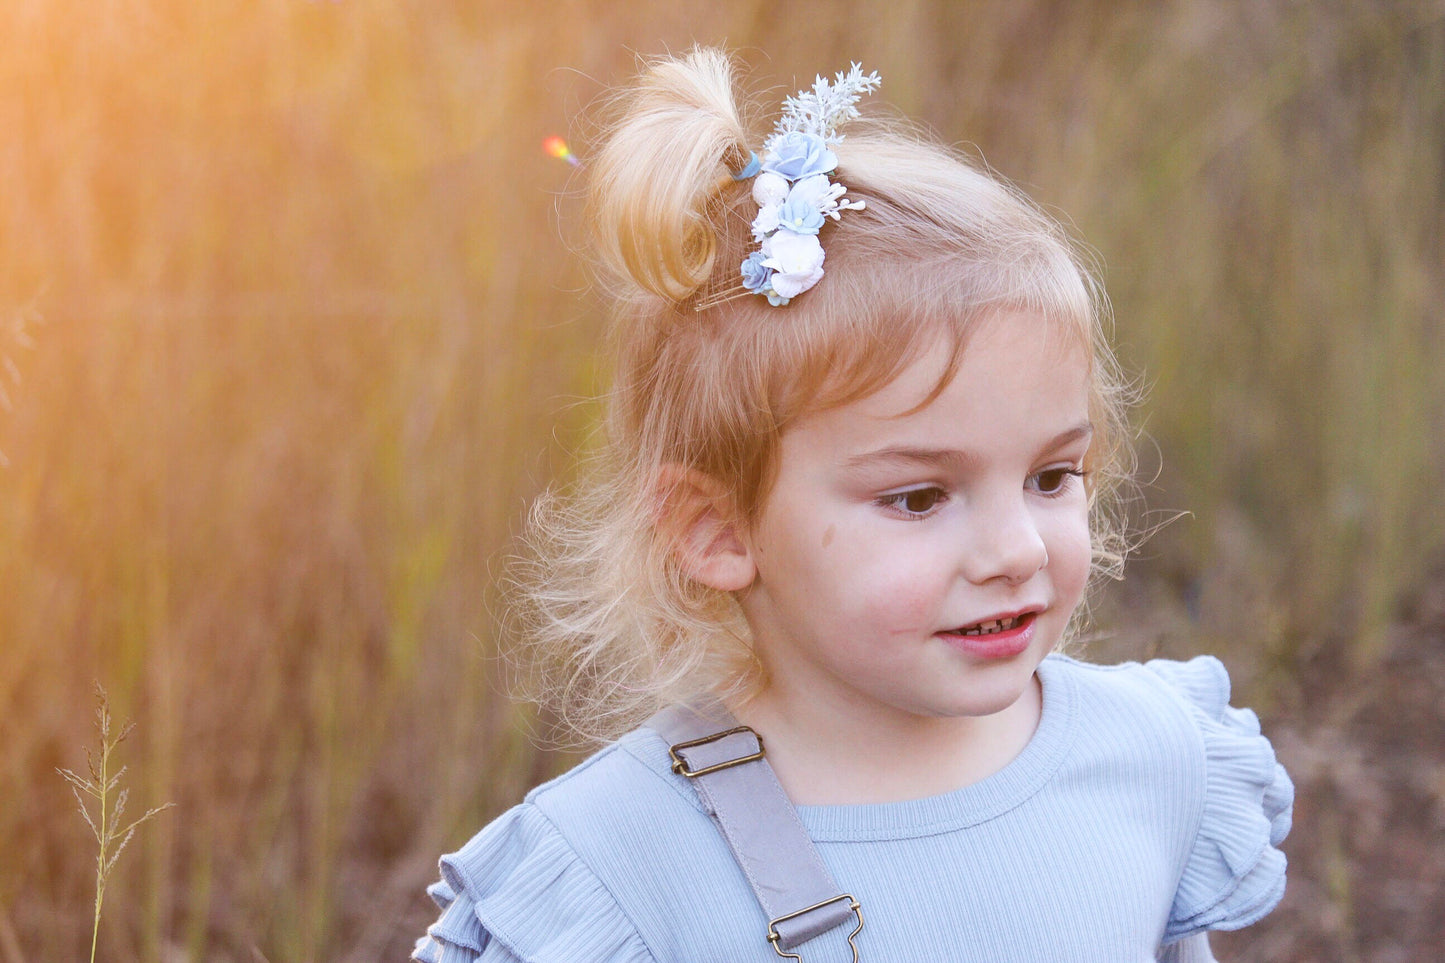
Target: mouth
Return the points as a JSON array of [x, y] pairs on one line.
[[994, 638], [994, 626]]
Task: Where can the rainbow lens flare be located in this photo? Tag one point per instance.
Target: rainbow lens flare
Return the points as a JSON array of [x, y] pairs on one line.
[[558, 148]]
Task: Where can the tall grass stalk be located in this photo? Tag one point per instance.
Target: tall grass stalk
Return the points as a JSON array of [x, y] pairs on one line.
[[103, 786], [14, 333]]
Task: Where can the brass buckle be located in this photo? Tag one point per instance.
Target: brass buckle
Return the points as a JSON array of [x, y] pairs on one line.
[[679, 764], [774, 936]]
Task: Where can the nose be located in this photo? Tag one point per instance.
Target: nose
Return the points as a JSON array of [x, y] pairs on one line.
[[1003, 543]]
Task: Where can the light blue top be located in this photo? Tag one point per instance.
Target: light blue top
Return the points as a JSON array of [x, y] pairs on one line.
[[1144, 809]]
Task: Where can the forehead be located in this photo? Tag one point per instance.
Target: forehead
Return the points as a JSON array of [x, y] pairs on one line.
[[1017, 378], [852, 350]]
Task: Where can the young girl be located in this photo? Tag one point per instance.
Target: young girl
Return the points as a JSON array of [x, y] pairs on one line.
[[863, 433]]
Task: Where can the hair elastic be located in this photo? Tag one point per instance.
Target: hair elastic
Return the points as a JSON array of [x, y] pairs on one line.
[[750, 169]]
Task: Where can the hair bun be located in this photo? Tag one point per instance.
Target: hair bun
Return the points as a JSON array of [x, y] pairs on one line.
[[665, 157]]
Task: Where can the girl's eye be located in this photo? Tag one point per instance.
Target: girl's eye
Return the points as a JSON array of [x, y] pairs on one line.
[[915, 502], [1053, 481]]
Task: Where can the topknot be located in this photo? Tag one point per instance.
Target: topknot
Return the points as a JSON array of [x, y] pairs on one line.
[[657, 177]]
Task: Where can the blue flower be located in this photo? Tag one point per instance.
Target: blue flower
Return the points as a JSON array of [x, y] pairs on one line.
[[796, 154], [800, 214], [756, 277]]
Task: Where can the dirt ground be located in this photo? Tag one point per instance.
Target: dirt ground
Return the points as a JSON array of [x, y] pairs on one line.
[[1367, 754]]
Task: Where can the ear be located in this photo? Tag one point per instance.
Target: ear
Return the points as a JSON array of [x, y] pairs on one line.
[[696, 517]]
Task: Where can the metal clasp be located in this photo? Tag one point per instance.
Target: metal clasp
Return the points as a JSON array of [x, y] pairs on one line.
[[679, 764], [774, 936]]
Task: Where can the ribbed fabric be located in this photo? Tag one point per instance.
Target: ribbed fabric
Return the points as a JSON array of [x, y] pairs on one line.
[[1143, 809]]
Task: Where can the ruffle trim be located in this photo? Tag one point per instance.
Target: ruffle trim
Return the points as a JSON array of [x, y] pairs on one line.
[[1234, 874], [518, 886]]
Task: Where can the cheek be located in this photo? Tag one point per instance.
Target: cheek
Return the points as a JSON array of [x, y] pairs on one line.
[[903, 610], [1071, 555], [900, 586]]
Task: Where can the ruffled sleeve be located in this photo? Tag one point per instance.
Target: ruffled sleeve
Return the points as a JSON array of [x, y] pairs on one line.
[[1234, 873], [518, 892]]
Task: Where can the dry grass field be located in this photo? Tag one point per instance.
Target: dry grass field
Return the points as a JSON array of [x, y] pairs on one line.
[[291, 329]]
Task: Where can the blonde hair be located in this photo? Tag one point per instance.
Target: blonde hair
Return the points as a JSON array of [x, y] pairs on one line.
[[611, 625]]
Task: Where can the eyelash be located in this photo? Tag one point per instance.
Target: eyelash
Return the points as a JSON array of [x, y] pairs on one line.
[[897, 501], [1063, 486]]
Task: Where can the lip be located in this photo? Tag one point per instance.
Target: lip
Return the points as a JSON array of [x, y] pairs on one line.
[[998, 645]]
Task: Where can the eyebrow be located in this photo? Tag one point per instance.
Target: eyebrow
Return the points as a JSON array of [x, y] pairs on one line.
[[952, 457]]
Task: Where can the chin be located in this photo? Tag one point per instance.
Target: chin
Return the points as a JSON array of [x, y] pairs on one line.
[[990, 696]]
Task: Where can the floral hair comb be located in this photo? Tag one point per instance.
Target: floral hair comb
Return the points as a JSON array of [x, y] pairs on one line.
[[793, 189]]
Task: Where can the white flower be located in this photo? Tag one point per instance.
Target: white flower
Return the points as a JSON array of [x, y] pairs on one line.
[[796, 260], [766, 222], [811, 189], [817, 192], [769, 188], [825, 195]]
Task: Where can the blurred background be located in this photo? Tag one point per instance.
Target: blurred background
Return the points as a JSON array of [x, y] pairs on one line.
[[291, 329]]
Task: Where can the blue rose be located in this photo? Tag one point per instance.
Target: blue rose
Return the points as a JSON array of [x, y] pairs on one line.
[[796, 154], [756, 277]]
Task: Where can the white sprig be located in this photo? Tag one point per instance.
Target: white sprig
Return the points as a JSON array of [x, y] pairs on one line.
[[822, 110]]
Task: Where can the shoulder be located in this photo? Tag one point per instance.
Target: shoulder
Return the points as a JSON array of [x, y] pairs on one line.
[[1175, 689], [624, 781], [533, 884], [1180, 709], [1177, 717], [614, 861]]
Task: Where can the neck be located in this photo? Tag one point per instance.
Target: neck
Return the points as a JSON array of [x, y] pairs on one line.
[[849, 756]]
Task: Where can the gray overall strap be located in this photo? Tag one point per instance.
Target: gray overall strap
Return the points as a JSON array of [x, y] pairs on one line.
[[724, 762]]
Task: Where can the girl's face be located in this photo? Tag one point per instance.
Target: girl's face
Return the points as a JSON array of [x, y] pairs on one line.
[[920, 563]]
